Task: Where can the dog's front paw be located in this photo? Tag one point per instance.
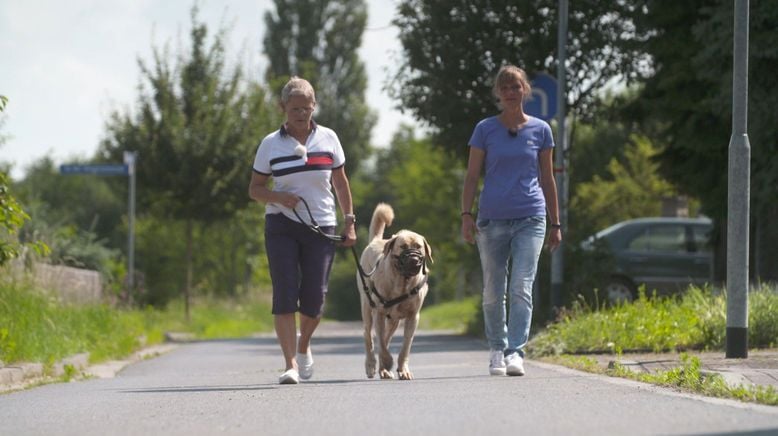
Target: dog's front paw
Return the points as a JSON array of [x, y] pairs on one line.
[[387, 374], [405, 374], [370, 366]]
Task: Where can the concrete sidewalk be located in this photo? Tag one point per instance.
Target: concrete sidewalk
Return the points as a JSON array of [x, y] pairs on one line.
[[759, 368]]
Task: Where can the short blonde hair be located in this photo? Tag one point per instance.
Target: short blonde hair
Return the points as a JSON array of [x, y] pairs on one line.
[[508, 72], [297, 86]]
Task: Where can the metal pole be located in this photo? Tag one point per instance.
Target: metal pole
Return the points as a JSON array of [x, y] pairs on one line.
[[129, 159], [738, 193], [557, 257]]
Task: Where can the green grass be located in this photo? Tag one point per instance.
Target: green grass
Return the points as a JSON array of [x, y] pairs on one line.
[[35, 327], [455, 315], [694, 320]]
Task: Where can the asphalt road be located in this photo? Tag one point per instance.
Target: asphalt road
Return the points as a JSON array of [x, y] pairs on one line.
[[230, 387]]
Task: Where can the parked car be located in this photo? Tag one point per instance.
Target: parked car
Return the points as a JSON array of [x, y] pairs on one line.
[[665, 254]]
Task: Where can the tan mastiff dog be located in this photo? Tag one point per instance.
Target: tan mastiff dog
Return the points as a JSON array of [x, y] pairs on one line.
[[393, 279]]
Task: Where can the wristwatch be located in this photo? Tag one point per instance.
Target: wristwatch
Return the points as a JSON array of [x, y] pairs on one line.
[[350, 218]]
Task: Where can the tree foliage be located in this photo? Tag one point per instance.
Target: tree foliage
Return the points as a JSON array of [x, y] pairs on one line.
[[634, 186], [453, 49], [196, 132], [90, 203], [318, 40], [12, 217], [686, 105]]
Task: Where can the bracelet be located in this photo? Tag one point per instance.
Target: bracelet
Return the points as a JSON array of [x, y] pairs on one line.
[[556, 226], [465, 213]]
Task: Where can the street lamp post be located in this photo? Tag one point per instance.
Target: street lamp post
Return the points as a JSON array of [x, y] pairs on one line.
[[738, 193]]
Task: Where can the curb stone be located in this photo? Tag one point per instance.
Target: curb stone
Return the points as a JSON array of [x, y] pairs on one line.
[[24, 375]]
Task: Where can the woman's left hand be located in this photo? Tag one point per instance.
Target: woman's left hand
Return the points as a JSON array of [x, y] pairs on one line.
[[350, 235], [554, 239]]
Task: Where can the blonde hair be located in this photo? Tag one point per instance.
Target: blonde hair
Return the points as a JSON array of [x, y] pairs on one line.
[[297, 86], [508, 72]]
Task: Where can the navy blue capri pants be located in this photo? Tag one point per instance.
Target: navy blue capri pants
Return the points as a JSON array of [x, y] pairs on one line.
[[300, 262]]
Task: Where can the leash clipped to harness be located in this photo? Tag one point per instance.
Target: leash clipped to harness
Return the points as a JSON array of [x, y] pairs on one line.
[[403, 262]]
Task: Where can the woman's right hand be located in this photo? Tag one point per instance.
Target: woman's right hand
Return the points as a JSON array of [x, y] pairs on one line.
[[468, 228], [287, 199]]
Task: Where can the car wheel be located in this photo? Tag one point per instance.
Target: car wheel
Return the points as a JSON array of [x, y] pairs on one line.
[[619, 291]]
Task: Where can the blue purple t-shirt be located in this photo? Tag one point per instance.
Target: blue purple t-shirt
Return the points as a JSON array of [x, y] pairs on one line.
[[512, 177]]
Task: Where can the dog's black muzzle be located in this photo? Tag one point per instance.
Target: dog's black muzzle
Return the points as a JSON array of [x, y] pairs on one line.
[[409, 262]]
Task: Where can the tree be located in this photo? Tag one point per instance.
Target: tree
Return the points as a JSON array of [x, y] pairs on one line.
[[12, 216], [685, 105], [90, 203], [318, 40], [453, 49], [634, 185], [196, 132]]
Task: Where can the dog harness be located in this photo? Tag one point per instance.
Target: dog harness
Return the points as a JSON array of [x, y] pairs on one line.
[[405, 261]]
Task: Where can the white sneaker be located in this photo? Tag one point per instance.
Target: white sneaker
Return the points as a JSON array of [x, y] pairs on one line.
[[496, 363], [289, 377], [305, 364], [514, 364]]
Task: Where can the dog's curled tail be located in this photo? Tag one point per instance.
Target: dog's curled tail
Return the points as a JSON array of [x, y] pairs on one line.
[[383, 215]]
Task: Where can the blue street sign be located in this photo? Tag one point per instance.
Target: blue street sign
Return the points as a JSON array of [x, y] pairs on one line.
[[542, 102], [98, 170]]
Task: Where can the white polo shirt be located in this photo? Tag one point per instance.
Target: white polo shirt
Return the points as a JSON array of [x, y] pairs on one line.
[[307, 176]]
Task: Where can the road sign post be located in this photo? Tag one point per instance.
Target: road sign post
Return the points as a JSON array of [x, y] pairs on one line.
[[125, 169], [129, 161]]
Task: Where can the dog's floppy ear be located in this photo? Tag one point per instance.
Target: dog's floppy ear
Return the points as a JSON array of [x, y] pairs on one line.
[[428, 251], [390, 245]]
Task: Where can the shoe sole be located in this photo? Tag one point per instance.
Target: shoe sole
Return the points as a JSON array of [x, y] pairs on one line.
[[514, 372], [289, 379], [500, 371]]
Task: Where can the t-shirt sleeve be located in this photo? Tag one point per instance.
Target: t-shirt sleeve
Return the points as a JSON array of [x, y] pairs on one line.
[[477, 138], [338, 156], [262, 159], [548, 137]]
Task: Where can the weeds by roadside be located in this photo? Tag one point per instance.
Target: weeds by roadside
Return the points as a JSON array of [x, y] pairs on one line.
[[688, 378], [695, 320]]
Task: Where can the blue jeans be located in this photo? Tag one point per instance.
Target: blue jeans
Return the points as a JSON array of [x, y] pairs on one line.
[[519, 242]]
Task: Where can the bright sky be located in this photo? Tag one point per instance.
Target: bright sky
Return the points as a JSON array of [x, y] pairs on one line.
[[67, 64]]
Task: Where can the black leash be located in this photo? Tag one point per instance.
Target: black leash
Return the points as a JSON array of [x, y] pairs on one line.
[[314, 226]]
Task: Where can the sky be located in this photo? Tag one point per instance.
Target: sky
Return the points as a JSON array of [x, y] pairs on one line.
[[66, 65]]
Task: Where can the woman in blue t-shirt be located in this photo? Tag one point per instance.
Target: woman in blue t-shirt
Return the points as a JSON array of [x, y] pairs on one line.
[[518, 192]]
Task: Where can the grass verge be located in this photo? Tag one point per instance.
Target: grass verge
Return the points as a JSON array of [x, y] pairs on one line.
[[695, 320], [35, 327], [688, 378]]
